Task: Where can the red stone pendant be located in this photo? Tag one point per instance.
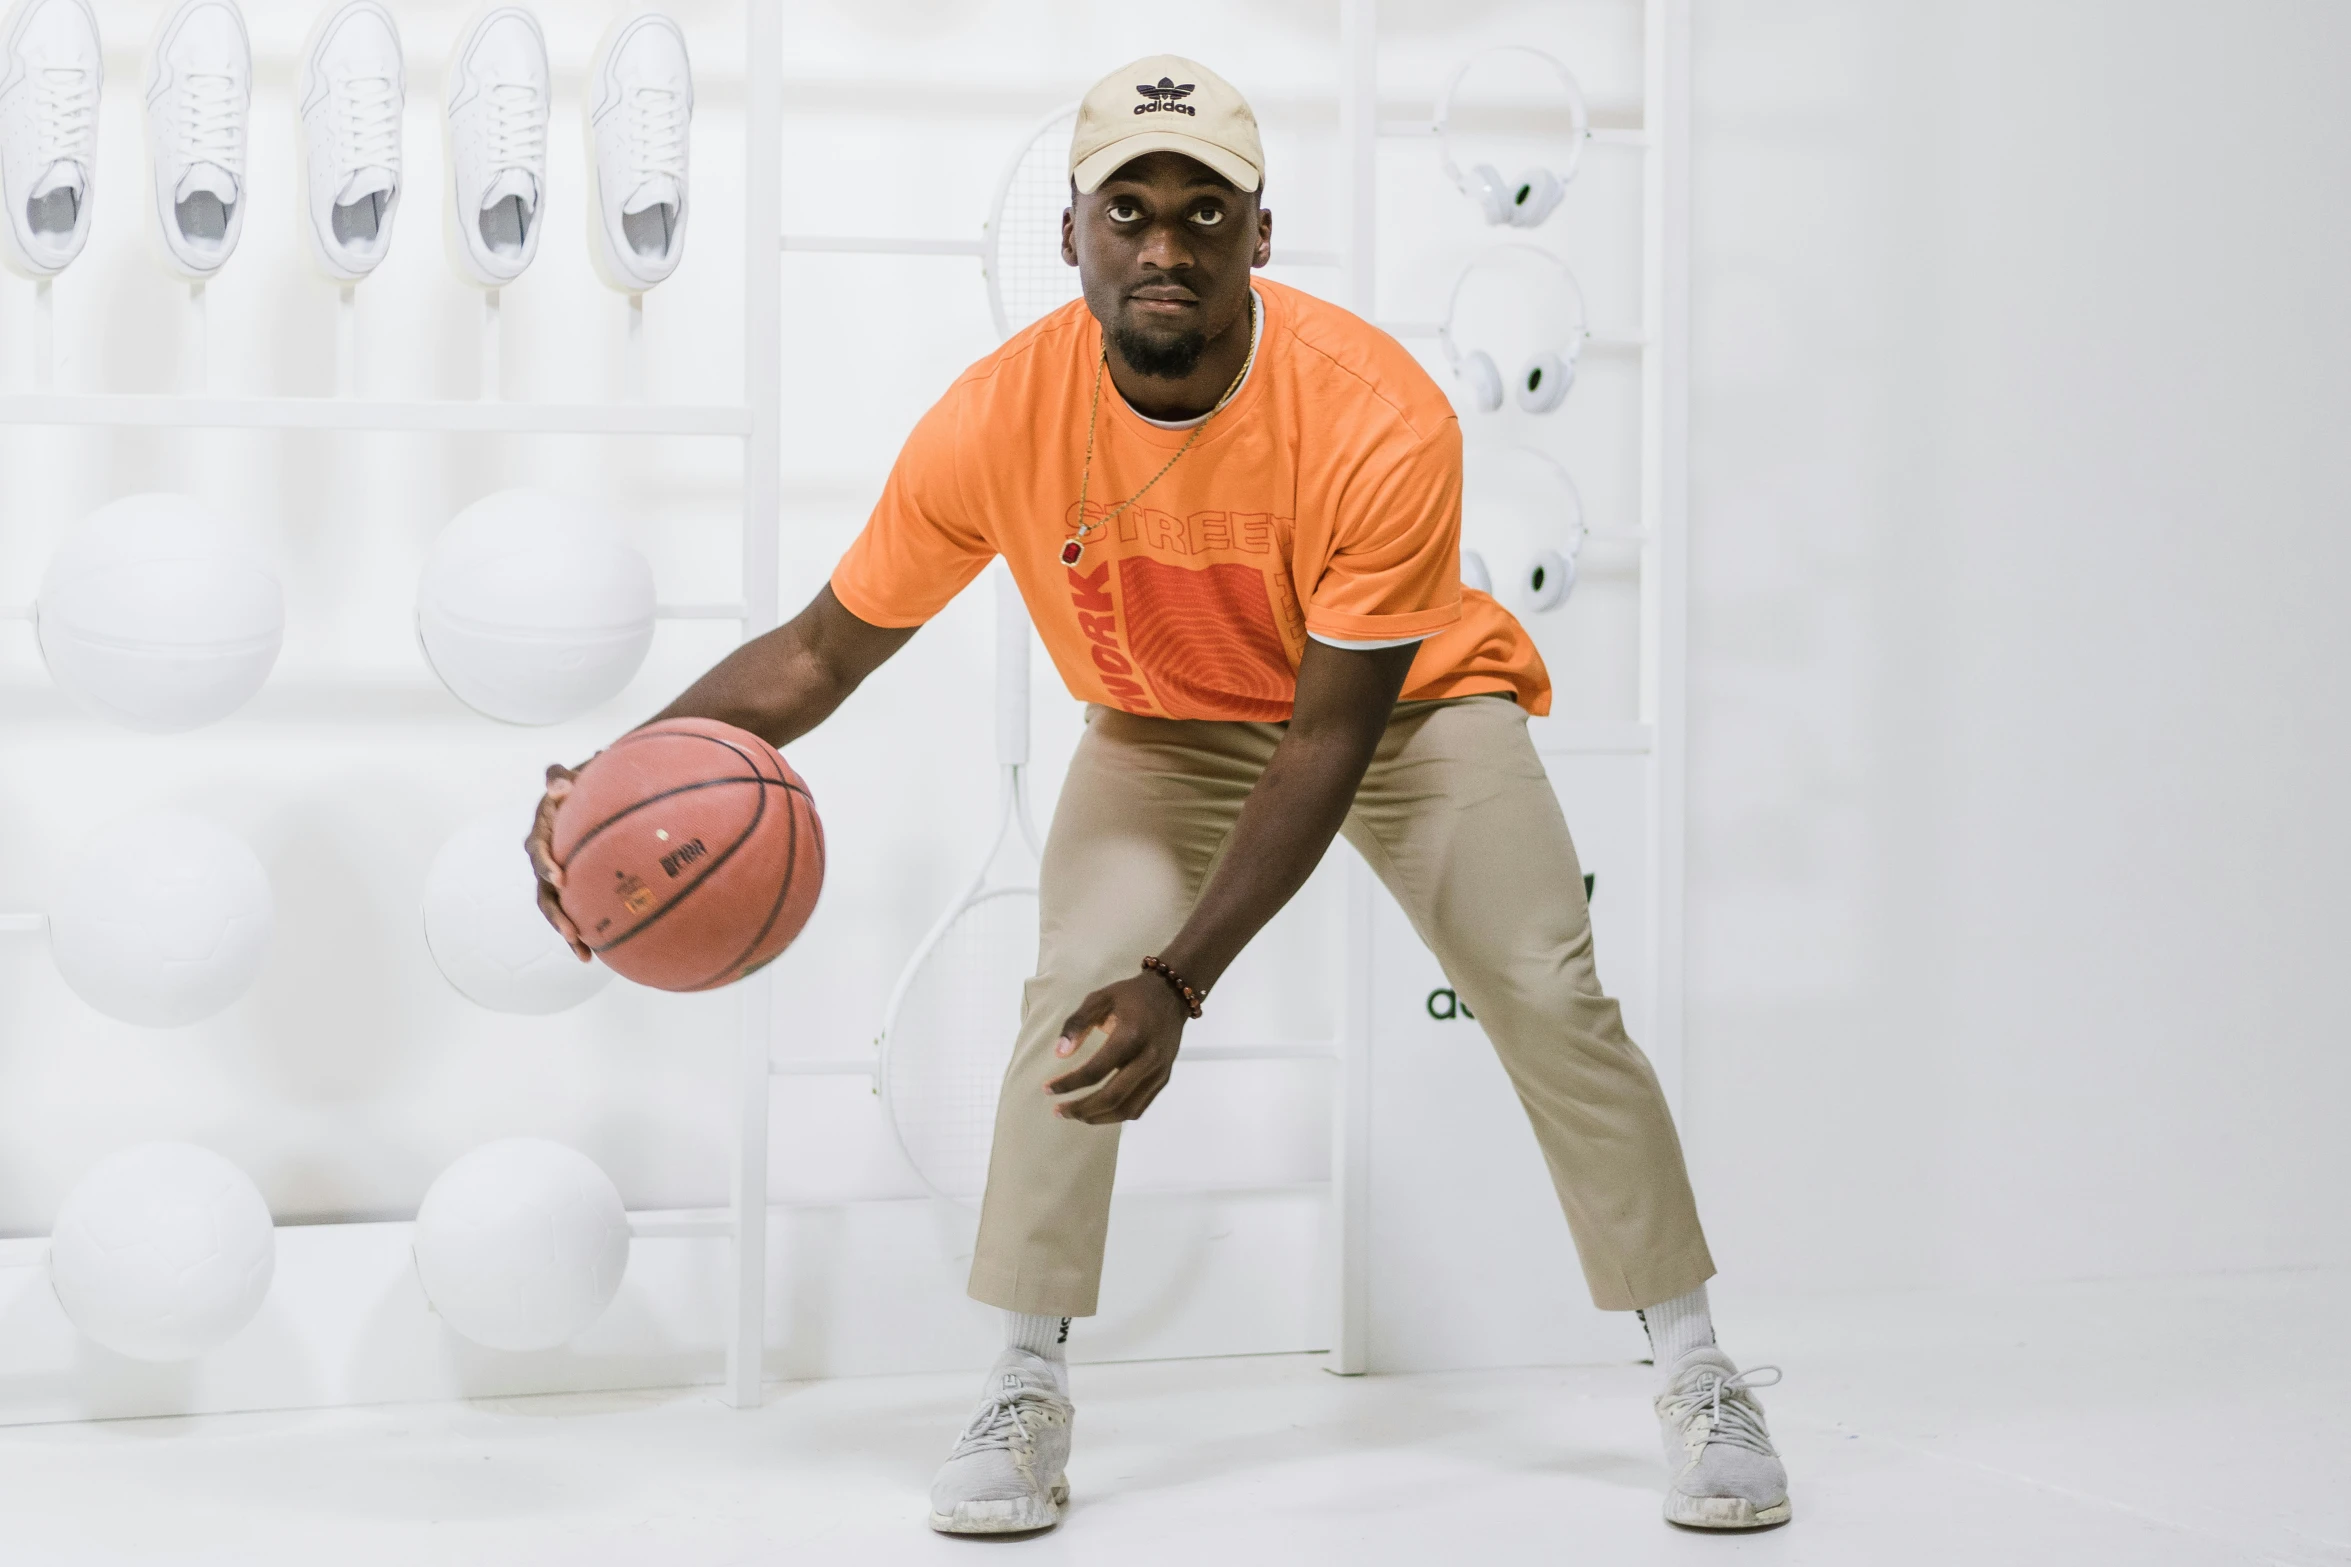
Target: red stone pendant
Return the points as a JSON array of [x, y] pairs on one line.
[[1072, 552]]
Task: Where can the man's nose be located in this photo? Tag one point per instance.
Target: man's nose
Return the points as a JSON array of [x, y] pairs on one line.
[[1166, 247]]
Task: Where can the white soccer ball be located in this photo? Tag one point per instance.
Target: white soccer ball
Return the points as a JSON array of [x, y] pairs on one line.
[[164, 920], [155, 614], [521, 1244], [482, 922], [162, 1252], [533, 608]]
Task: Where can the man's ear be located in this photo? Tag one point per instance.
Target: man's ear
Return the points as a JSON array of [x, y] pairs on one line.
[[1069, 235], [1264, 239]]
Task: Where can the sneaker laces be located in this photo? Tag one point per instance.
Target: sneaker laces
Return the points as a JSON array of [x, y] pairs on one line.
[[1734, 1415], [517, 126], [212, 122], [65, 102], [1003, 1421], [657, 135], [367, 124]]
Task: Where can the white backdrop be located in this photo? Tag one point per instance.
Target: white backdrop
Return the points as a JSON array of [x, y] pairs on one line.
[[2018, 734]]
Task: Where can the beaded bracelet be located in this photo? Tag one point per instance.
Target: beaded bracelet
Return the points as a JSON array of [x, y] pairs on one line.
[[1186, 994]]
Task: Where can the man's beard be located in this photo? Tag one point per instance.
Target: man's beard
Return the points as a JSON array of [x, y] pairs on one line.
[[1168, 359]]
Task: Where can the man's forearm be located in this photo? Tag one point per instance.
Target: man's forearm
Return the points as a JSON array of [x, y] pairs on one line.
[[783, 684], [1285, 826]]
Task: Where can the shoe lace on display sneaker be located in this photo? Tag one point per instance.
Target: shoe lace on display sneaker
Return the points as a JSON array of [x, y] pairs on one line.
[[65, 100], [367, 124], [1733, 1414], [518, 126], [657, 137], [212, 124], [1003, 1421]]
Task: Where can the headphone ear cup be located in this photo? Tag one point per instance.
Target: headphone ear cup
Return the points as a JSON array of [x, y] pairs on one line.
[[1483, 380], [1549, 580], [1493, 197], [1534, 198], [1543, 384], [1474, 573]]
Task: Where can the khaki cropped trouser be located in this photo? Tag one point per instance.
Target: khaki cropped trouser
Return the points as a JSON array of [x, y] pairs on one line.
[[1458, 819]]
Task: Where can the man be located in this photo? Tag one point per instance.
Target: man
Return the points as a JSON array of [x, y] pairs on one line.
[[1234, 513]]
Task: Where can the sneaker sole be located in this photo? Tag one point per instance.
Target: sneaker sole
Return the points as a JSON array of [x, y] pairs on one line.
[[1723, 1512], [1020, 1515]]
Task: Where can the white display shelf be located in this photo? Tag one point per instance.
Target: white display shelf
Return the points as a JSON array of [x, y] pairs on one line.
[[162, 411]]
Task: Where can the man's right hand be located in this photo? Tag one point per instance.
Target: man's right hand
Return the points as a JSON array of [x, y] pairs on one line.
[[540, 846]]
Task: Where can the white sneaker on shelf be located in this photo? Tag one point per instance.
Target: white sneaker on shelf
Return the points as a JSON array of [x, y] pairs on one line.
[[1006, 1473], [354, 86], [199, 106], [1721, 1470], [640, 104], [498, 98], [49, 81]]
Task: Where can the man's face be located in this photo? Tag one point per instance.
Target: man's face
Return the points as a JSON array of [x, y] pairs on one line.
[[1164, 249]]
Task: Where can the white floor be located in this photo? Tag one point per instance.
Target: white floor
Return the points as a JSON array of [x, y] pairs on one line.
[[2150, 1424]]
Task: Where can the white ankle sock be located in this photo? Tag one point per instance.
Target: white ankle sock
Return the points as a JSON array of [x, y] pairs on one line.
[[1676, 1327], [1047, 1337]]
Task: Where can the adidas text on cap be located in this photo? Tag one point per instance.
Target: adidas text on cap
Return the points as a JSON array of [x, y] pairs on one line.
[[1165, 103]]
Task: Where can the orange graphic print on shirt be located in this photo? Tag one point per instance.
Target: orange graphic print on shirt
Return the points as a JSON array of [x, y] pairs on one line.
[[1323, 502]]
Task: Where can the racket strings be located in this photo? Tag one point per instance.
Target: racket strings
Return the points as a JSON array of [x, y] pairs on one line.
[[952, 1038], [1029, 277]]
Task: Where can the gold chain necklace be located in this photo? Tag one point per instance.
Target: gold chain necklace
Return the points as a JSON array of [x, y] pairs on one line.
[[1073, 549]]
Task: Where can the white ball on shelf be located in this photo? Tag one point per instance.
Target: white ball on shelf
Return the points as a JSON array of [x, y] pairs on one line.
[[165, 919], [154, 613], [521, 1244], [162, 1252], [482, 922], [533, 608]]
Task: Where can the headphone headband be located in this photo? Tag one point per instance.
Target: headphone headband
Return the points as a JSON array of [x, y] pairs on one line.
[[1583, 316], [1580, 117]]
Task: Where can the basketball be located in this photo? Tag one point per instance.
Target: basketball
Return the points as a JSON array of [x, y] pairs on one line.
[[691, 854]]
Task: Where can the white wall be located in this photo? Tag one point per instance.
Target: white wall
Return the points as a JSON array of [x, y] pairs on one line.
[[2018, 863]]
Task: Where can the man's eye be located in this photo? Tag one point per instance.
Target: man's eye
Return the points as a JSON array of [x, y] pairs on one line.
[[1124, 212], [1208, 217]]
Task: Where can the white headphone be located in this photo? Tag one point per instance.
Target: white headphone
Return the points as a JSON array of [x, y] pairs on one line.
[[1529, 199], [1543, 381], [1550, 575]]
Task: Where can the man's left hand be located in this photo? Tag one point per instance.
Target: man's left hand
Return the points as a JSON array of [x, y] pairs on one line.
[[1143, 1026]]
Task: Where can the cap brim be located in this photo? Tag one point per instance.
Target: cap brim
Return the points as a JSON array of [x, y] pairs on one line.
[[1109, 160]]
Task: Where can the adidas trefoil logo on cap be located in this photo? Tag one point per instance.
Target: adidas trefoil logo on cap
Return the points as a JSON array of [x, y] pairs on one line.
[[1165, 98]]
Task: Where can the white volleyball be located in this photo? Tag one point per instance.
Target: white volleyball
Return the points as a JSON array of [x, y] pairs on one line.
[[521, 1244], [482, 922], [533, 608], [163, 919], [162, 1252], [156, 614]]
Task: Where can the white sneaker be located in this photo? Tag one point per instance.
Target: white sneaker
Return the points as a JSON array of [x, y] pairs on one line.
[[354, 86], [640, 103], [1721, 1469], [49, 81], [1006, 1473], [497, 137], [199, 104]]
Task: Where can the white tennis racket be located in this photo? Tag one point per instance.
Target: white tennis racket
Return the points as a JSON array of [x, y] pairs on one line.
[[954, 1014], [1021, 250]]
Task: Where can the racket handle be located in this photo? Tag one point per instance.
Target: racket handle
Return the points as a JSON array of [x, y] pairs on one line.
[[1012, 673]]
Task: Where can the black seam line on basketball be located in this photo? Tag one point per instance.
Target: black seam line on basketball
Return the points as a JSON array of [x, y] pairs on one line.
[[725, 854], [750, 830], [617, 817], [783, 892]]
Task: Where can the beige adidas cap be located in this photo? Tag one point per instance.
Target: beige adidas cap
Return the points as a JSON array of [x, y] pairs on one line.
[[1165, 103]]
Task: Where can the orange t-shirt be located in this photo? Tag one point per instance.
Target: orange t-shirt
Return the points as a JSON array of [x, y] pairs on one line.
[[1323, 501]]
